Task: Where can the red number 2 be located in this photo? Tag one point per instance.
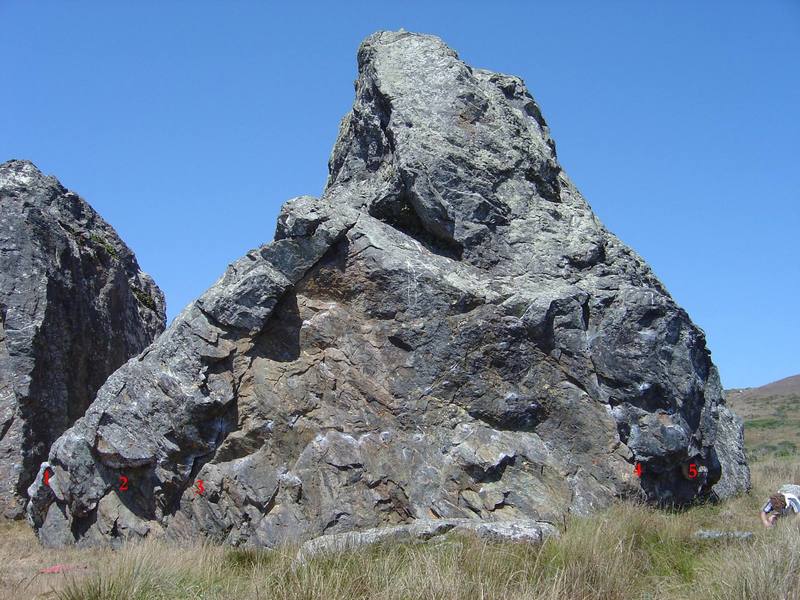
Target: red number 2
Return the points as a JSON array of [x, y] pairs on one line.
[[692, 470], [123, 483]]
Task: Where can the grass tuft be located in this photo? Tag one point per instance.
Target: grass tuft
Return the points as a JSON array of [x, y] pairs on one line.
[[104, 244], [248, 559], [144, 298]]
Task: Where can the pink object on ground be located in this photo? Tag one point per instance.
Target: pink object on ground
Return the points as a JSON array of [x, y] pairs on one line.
[[60, 568]]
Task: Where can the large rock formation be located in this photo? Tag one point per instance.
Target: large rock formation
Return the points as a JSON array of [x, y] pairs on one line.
[[448, 332], [74, 306]]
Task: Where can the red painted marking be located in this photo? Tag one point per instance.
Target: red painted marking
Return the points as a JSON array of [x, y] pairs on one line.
[[200, 489], [61, 568], [47, 476], [638, 470], [692, 471], [123, 483]]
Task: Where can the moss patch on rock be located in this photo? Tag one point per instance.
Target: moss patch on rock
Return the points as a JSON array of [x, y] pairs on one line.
[[144, 298]]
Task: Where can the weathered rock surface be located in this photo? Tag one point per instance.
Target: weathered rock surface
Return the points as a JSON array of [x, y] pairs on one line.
[[730, 452], [447, 333], [714, 535], [74, 306], [522, 531]]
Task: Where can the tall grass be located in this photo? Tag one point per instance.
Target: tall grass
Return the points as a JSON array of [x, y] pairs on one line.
[[631, 551], [767, 569]]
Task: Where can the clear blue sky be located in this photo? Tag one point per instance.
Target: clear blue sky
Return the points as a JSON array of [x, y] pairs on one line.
[[188, 124]]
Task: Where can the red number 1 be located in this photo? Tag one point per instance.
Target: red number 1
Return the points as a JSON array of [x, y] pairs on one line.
[[692, 470], [638, 470], [123, 483]]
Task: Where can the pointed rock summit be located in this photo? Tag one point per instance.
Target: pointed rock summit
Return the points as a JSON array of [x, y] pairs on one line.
[[448, 333], [74, 306]]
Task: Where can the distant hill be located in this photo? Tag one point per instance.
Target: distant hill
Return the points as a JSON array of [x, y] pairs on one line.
[[789, 386], [771, 416]]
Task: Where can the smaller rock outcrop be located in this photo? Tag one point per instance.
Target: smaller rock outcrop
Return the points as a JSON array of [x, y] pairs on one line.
[[716, 535], [74, 306], [522, 531]]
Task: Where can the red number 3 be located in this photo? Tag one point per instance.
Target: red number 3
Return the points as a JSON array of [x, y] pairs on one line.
[[200, 489], [123, 483], [692, 470]]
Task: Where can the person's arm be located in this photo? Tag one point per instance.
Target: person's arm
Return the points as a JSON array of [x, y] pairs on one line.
[[765, 519], [766, 515]]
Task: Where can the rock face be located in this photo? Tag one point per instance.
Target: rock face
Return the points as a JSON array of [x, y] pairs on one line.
[[74, 306], [447, 333]]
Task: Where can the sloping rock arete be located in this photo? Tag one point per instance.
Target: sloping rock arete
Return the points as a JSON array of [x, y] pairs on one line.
[[447, 333], [74, 306]]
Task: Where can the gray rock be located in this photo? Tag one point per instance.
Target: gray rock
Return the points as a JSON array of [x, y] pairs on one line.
[[730, 451], [74, 306], [352, 540], [520, 531], [713, 534], [448, 333]]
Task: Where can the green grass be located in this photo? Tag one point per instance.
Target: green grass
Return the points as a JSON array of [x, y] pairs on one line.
[[765, 423], [246, 559], [144, 298], [778, 450], [104, 244]]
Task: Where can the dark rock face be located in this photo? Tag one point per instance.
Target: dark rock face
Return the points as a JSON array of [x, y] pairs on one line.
[[447, 333], [74, 306]]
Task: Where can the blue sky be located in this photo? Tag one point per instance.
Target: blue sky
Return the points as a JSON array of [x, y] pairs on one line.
[[188, 124]]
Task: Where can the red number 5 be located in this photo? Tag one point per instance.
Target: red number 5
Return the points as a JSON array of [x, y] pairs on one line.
[[692, 470], [123, 483]]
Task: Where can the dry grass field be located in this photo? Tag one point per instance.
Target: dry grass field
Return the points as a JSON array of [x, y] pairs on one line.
[[629, 552]]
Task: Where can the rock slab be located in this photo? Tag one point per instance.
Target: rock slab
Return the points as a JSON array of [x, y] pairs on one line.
[[74, 306], [448, 333], [518, 531], [714, 534]]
